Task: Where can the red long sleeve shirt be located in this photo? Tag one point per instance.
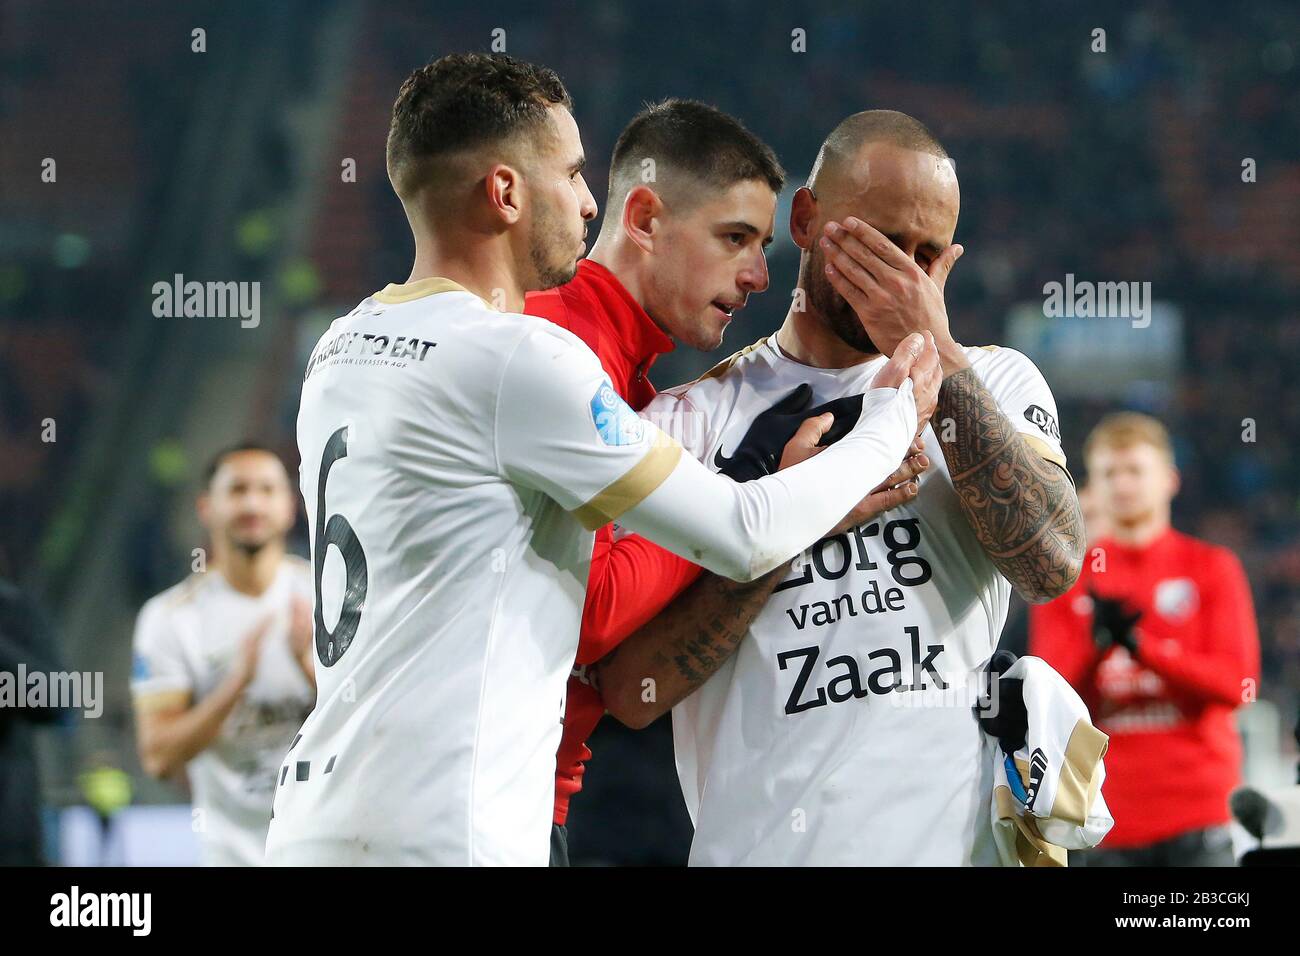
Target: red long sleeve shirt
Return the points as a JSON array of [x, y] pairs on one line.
[[1175, 754], [631, 580]]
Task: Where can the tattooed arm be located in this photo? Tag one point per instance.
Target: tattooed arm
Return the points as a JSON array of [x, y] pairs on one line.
[[667, 659], [1022, 507]]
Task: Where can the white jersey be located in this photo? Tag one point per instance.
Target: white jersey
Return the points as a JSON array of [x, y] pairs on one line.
[[444, 446], [186, 640], [841, 730]]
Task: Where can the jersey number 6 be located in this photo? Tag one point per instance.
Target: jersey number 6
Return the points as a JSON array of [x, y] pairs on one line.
[[331, 645]]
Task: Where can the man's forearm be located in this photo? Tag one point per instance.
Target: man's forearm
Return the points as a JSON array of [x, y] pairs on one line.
[[173, 740], [1022, 508], [669, 657], [307, 664]]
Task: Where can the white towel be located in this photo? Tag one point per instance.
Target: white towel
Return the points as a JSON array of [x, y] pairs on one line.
[[1049, 800]]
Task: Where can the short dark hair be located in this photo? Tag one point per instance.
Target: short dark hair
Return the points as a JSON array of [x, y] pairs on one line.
[[694, 138], [217, 460], [461, 101]]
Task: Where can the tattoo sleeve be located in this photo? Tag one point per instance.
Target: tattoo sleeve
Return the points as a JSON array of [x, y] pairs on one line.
[[1022, 507], [673, 654]]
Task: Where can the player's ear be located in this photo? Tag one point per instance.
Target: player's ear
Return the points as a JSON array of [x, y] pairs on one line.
[[1175, 482], [203, 506], [287, 508], [642, 210], [803, 216], [505, 188]]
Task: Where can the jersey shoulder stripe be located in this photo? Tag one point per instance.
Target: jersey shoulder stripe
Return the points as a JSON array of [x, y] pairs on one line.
[[184, 592], [395, 293], [1047, 452], [628, 491], [723, 367], [1016, 363]]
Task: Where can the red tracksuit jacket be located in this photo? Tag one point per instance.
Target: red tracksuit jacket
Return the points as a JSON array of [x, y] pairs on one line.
[[631, 580], [1175, 754]]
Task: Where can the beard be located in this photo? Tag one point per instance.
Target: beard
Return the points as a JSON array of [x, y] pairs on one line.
[[250, 545], [551, 266], [833, 307]]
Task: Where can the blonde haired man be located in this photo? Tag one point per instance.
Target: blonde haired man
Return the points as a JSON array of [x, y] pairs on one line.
[[1158, 636]]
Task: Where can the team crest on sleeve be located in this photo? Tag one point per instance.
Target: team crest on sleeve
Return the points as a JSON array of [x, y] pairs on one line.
[[1045, 421], [616, 423]]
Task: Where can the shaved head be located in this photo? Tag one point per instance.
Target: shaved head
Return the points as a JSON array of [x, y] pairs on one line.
[[844, 144], [886, 169]]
